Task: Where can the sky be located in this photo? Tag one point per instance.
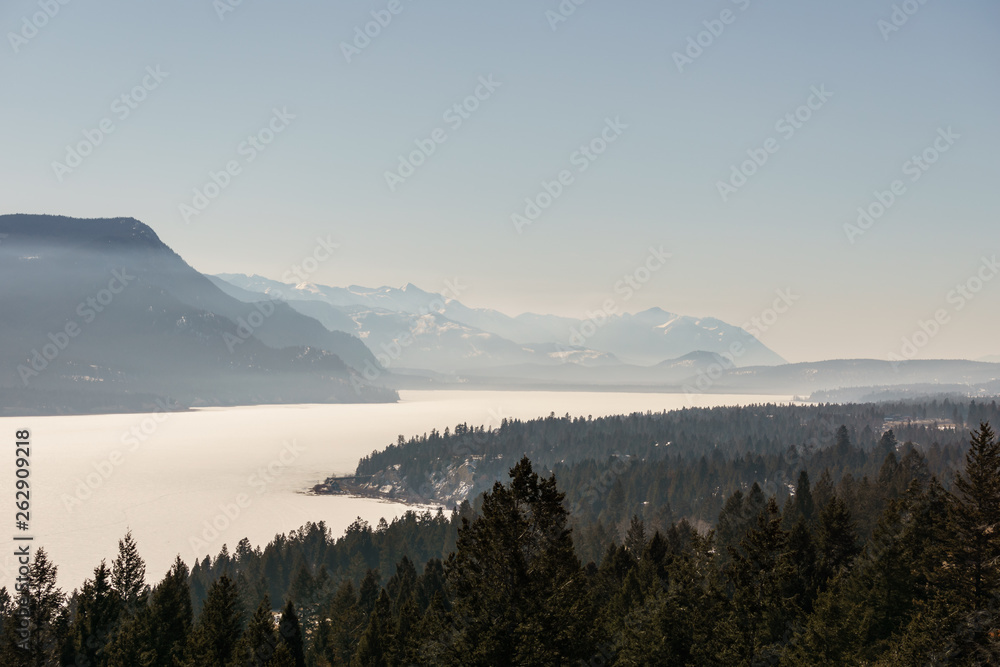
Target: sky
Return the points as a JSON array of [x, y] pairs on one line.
[[739, 138]]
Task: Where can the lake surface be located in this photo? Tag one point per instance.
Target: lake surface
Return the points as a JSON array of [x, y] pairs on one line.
[[187, 483]]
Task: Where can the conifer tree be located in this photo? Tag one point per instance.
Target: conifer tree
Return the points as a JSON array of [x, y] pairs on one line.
[[171, 615], [368, 593], [843, 442], [346, 622], [803, 505], [133, 643], [257, 646], [322, 647], [977, 517], [282, 657], [290, 634], [375, 647], [760, 615], [405, 641], [836, 540], [98, 609], [46, 613], [435, 635], [219, 627], [635, 538], [519, 588], [802, 582], [128, 574]]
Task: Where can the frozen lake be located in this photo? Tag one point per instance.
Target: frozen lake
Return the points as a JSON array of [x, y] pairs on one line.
[[187, 483]]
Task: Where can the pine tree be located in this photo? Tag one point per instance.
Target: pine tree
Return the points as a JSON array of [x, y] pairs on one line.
[[368, 593], [346, 624], [257, 646], [322, 647], [290, 634], [977, 517], [843, 442], [133, 643], [802, 583], [214, 637], [731, 524], [303, 587], [171, 615], [244, 551], [375, 647], [128, 574], [760, 614], [406, 642], [46, 618], [803, 505], [519, 588], [635, 538], [436, 636], [669, 621], [282, 657], [98, 609], [888, 474], [402, 584], [823, 490], [46, 614], [836, 540], [887, 444]]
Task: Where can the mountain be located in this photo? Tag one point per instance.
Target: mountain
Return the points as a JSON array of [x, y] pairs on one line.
[[103, 308], [667, 374], [414, 331], [806, 378], [406, 328], [446, 335]]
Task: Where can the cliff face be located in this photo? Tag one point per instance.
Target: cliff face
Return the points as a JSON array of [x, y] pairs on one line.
[[449, 488]]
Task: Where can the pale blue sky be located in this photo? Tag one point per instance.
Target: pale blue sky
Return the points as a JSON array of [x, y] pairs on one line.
[[656, 185]]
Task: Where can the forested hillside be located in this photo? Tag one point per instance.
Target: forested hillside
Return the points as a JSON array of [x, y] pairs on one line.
[[854, 551], [683, 463]]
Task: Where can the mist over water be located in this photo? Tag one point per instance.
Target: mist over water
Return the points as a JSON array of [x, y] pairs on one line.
[[187, 483]]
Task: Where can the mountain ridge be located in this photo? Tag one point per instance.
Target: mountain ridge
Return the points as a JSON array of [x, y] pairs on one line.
[[105, 307], [647, 337]]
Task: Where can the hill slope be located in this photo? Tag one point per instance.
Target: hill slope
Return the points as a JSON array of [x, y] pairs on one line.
[[104, 308]]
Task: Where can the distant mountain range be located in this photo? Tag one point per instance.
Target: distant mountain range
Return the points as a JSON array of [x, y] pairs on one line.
[[101, 315], [443, 335], [427, 335]]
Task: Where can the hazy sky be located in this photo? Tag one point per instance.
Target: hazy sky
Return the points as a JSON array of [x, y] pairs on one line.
[[209, 79]]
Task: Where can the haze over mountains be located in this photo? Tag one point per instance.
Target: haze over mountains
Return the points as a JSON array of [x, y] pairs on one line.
[[448, 336], [101, 316], [413, 330]]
